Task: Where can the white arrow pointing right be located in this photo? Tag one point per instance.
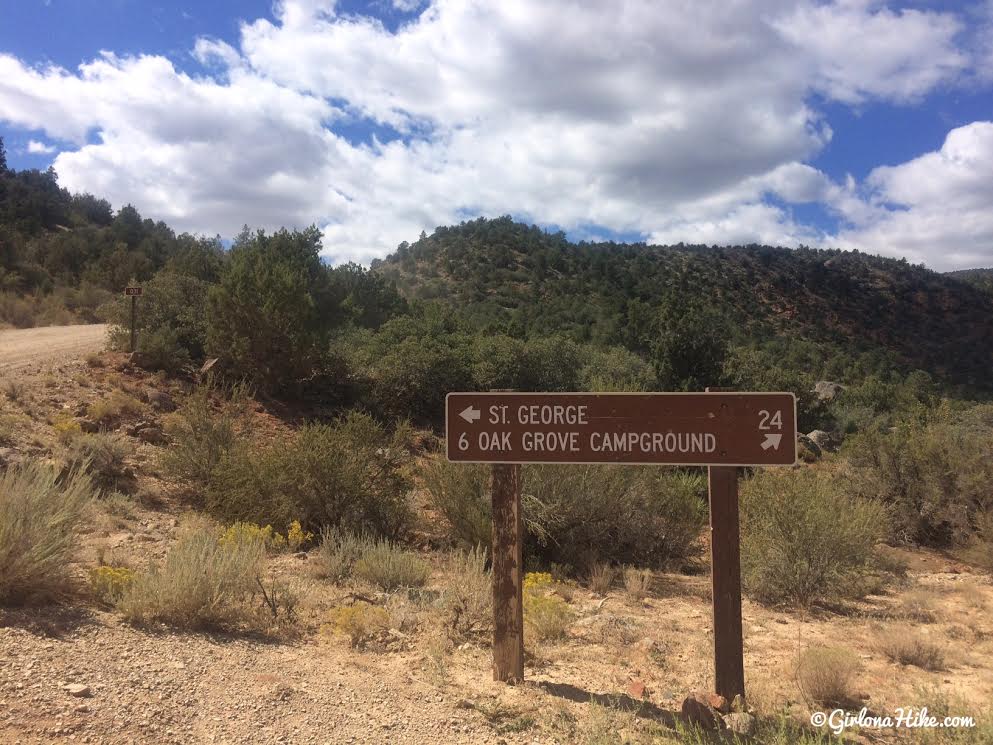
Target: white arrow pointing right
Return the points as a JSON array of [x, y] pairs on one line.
[[470, 414], [772, 441]]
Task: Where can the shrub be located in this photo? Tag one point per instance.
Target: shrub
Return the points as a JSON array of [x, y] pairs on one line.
[[345, 474], [115, 407], [825, 675], [468, 597], [907, 646], [202, 583], [579, 515], [171, 321], [203, 432], [361, 622], [917, 606], [102, 455], [338, 552], [546, 615], [66, 429], [160, 349], [110, 584], [616, 369], [390, 567], [935, 473], [296, 536], [13, 389], [271, 314], [40, 515], [461, 493], [249, 532], [804, 539]]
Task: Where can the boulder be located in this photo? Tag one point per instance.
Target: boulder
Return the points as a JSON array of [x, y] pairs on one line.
[[152, 435], [698, 712], [824, 440], [161, 400], [88, 426], [827, 390], [718, 702], [807, 449], [78, 690], [740, 723]]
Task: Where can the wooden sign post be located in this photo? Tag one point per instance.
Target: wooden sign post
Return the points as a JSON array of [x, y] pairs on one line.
[[718, 429], [134, 293], [508, 574]]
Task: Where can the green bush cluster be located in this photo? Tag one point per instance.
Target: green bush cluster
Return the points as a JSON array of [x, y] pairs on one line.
[[346, 474], [933, 472], [805, 539], [579, 516]]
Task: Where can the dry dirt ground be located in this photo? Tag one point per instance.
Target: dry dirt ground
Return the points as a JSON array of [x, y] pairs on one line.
[[618, 676], [24, 348]]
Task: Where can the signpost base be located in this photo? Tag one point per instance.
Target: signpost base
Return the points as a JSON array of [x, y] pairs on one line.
[[508, 575], [725, 562]]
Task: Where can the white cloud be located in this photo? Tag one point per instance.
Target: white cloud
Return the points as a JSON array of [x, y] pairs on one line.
[[40, 148], [673, 124], [937, 208]]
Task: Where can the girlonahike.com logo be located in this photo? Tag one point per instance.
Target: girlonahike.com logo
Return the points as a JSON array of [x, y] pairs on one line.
[[839, 720]]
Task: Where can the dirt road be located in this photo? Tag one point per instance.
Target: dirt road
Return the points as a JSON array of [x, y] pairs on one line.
[[23, 347]]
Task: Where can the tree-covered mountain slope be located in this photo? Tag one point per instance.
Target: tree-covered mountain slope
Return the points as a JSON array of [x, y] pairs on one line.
[[516, 278]]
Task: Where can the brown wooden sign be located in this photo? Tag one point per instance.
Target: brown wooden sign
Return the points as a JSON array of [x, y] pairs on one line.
[[700, 429], [132, 291]]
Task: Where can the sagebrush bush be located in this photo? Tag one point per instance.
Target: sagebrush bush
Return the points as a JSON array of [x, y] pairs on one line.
[[338, 552], [40, 516], [103, 455], [825, 675], [391, 567], [908, 646], [203, 582], [346, 474], [468, 597], [203, 431], [114, 407], [804, 539], [935, 473]]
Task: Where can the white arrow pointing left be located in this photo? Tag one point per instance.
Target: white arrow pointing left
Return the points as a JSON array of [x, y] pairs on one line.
[[772, 441], [470, 415]]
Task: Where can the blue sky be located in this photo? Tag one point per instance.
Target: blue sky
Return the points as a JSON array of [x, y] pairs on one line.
[[855, 123]]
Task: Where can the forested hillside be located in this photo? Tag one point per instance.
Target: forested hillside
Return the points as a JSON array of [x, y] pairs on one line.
[[829, 308]]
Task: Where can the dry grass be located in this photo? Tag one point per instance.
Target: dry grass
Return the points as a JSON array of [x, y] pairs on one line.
[[40, 516], [13, 389], [638, 582], [907, 646], [602, 578], [919, 606], [467, 599], [825, 675]]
